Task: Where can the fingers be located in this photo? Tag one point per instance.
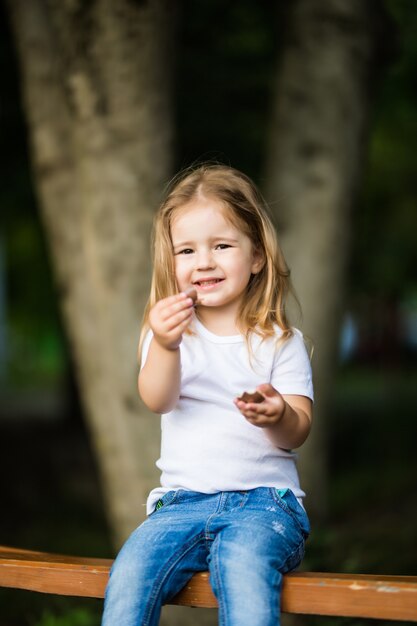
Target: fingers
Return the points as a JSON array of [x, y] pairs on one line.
[[253, 410], [264, 413], [173, 310], [169, 318], [268, 405], [257, 418], [172, 305], [172, 319]]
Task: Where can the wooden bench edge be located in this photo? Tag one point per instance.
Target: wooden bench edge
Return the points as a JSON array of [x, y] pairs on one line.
[[315, 593]]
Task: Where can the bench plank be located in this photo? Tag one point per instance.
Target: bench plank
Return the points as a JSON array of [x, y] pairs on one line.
[[53, 573], [349, 595]]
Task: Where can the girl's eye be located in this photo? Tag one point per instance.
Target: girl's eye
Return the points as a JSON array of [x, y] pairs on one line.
[[222, 246], [185, 251]]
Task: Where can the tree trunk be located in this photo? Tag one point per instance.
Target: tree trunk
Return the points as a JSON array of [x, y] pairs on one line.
[[96, 87], [316, 148]]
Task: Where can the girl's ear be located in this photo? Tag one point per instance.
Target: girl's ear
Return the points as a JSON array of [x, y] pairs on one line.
[[258, 261]]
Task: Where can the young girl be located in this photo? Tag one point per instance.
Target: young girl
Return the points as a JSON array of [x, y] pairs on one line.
[[229, 499]]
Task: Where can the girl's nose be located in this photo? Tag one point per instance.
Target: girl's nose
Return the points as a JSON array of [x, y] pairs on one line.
[[205, 260]]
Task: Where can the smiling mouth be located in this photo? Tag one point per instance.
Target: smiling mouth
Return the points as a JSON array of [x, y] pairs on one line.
[[208, 283]]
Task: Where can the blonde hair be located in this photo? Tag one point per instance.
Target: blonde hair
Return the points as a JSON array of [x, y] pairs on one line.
[[264, 304]]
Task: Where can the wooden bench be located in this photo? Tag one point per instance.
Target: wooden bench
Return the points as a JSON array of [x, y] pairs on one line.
[[349, 595]]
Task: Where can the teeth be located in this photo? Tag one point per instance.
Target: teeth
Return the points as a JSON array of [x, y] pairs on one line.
[[208, 282]]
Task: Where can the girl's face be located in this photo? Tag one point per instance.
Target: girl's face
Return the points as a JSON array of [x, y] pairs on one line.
[[212, 255]]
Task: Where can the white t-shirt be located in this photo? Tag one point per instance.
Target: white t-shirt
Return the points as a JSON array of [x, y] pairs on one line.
[[207, 445]]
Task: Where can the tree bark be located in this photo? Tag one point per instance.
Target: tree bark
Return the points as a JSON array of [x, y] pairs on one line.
[[319, 126], [97, 94]]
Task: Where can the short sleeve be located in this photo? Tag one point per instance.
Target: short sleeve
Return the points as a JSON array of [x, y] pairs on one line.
[[145, 347], [291, 373]]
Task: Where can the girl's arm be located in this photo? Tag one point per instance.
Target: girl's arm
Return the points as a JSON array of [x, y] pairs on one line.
[[286, 419], [160, 377]]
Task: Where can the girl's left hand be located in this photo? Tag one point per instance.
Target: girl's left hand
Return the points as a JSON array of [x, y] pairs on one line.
[[265, 413]]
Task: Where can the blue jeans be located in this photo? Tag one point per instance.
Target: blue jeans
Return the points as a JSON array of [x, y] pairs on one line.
[[246, 539]]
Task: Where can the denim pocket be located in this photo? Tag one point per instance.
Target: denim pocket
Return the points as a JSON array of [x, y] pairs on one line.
[[166, 499], [289, 503]]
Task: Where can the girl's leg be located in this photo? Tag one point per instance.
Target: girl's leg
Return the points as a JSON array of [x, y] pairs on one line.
[[256, 539], [156, 561]]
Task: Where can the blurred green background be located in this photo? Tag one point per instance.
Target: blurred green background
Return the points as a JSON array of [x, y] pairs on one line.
[[371, 525]]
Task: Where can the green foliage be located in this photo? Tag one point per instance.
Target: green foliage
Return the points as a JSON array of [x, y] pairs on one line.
[[74, 617], [35, 345], [385, 222]]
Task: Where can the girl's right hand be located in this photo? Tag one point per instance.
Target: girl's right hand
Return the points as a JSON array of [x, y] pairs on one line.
[[169, 318]]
